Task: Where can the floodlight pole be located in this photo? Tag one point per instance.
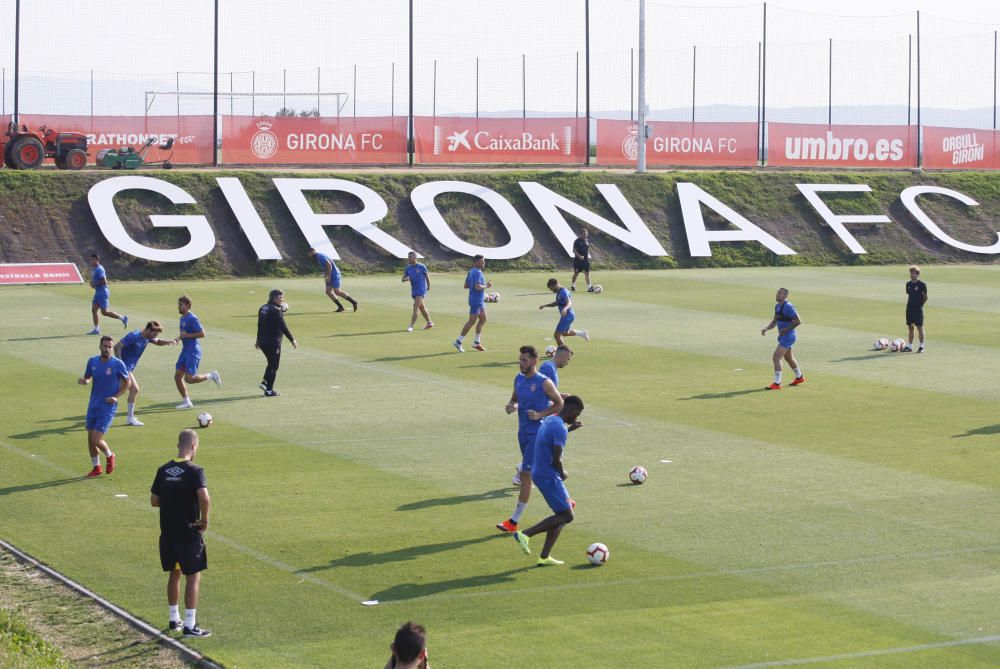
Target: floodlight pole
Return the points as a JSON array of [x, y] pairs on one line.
[[641, 167]]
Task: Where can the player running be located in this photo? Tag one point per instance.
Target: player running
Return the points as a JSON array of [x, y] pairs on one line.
[[110, 379], [129, 349], [534, 398], [786, 319], [564, 303], [420, 285], [549, 474], [102, 296], [190, 357], [476, 283], [916, 298], [331, 274]]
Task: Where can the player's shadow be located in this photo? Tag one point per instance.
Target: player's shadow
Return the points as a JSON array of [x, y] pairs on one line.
[[499, 493], [366, 334], [871, 356], [40, 338], [38, 486], [368, 559], [288, 314], [167, 407], [723, 396], [413, 590], [400, 358], [979, 431], [78, 423], [502, 363]]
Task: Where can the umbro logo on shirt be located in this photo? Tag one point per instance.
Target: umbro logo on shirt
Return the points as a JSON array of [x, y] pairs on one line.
[[175, 471], [532, 387]]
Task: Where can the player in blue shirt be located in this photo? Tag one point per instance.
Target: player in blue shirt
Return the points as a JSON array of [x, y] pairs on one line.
[[786, 319], [420, 285], [550, 368], [102, 296], [129, 349], [476, 283], [564, 303], [190, 357], [110, 379], [549, 474], [534, 398], [331, 274]]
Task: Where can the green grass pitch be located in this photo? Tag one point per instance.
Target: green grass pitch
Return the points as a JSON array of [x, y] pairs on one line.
[[849, 522]]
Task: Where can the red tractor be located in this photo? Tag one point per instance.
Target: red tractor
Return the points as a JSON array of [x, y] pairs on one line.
[[26, 150]]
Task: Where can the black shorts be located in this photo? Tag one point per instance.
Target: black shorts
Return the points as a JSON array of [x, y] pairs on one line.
[[191, 555], [581, 265], [915, 316]]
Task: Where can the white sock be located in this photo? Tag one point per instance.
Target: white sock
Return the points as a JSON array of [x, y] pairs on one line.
[[521, 506], [175, 613], [798, 373], [109, 454], [573, 285], [590, 285], [777, 377], [96, 460], [460, 338], [131, 409], [189, 618]]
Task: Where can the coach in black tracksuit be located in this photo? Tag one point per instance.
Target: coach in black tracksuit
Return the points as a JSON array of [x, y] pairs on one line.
[[270, 327]]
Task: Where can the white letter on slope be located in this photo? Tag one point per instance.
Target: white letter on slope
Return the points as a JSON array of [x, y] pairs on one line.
[[692, 197], [635, 234], [836, 222], [248, 219], [362, 222], [909, 199], [520, 242], [101, 198]]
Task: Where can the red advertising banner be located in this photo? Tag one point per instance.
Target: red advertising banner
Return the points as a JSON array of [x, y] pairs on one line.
[[60, 272], [290, 140], [801, 145], [192, 135], [678, 143], [960, 148], [499, 140]]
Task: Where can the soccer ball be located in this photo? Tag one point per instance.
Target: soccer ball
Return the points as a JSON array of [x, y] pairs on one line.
[[204, 419], [284, 307], [638, 475], [598, 554], [492, 297], [598, 288], [897, 345], [550, 351], [881, 344]]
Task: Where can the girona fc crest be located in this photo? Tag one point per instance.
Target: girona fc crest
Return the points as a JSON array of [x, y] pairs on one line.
[[264, 143], [630, 145]]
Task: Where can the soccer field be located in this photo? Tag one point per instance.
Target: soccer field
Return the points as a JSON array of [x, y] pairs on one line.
[[848, 522]]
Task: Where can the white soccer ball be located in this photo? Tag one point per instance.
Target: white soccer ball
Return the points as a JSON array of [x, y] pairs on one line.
[[638, 475], [881, 344], [204, 419], [897, 345], [493, 297], [598, 288], [598, 554], [550, 351], [284, 307]]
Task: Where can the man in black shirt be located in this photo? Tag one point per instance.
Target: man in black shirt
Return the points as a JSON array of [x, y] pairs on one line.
[[180, 492], [916, 296], [581, 259], [270, 327]]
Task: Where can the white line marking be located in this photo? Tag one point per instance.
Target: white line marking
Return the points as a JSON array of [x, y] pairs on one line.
[[870, 653]]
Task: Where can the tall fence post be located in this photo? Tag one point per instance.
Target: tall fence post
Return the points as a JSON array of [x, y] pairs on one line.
[[641, 158], [524, 87], [411, 144], [3, 91], [576, 94], [17, 58], [354, 91], [91, 98], [178, 89], [994, 79], [284, 88], [631, 83], [253, 93], [829, 85], [392, 89], [694, 77], [230, 93], [920, 153], [434, 91], [586, 67], [763, 92], [909, 77], [319, 89], [477, 86], [760, 147], [215, 91]]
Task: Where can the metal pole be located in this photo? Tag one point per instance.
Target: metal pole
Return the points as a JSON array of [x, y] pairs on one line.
[[694, 76], [392, 90], [253, 92], [641, 167], [763, 92], [909, 77], [829, 86], [760, 147], [230, 93], [631, 84], [215, 92], [178, 94], [412, 143], [319, 88], [477, 86], [17, 57], [284, 88], [524, 88], [994, 79], [354, 93], [577, 89], [586, 85], [434, 91], [3, 91], [92, 97], [920, 157]]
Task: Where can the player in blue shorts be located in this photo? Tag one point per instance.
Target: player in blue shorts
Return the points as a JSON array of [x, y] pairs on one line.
[[564, 303], [102, 296], [476, 283], [549, 474], [190, 357], [420, 285], [129, 349], [110, 380], [534, 398], [331, 275], [786, 319]]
